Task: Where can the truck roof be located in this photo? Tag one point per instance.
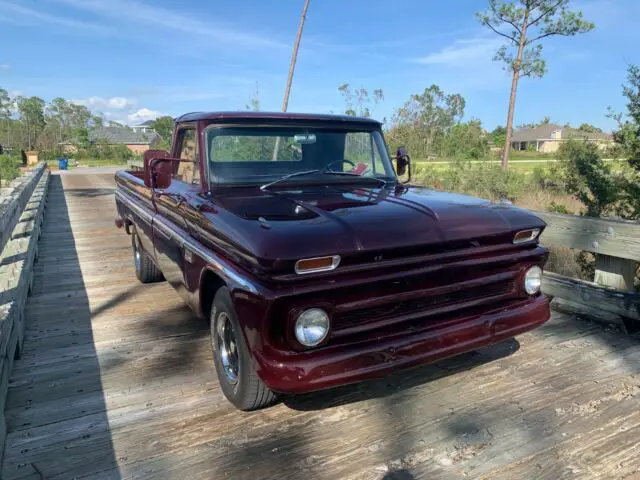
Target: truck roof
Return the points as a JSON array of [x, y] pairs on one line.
[[251, 115]]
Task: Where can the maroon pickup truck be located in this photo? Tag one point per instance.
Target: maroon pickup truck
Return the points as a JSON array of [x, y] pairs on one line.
[[315, 263]]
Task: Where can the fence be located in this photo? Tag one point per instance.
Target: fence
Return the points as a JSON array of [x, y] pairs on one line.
[[616, 245], [21, 215]]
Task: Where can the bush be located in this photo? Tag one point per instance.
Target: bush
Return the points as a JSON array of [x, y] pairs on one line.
[[9, 167], [589, 178], [486, 180]]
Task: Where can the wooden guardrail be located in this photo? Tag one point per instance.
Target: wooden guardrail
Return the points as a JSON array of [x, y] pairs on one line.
[[616, 245], [21, 216]]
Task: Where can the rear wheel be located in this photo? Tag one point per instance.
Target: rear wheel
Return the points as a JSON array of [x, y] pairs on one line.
[[238, 379], [146, 270]]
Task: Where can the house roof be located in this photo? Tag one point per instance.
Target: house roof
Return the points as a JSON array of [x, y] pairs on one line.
[[148, 123], [545, 132], [251, 115], [122, 136], [531, 134]]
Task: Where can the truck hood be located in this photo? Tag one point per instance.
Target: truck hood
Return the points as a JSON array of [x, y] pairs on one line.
[[311, 221]]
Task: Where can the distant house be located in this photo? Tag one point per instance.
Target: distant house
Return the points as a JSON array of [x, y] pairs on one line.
[[548, 137], [137, 142], [145, 127]]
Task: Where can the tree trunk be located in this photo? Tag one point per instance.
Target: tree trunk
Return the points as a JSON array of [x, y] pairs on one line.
[[517, 64], [292, 67], [512, 104], [294, 56]]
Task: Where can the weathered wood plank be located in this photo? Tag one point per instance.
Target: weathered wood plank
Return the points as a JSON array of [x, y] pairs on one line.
[[597, 296], [617, 238], [616, 273]]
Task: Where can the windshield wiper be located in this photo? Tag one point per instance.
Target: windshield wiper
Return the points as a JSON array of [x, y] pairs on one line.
[[286, 177], [349, 174]]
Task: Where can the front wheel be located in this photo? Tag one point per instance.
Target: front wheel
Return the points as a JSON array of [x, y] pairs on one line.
[[146, 270], [238, 379]]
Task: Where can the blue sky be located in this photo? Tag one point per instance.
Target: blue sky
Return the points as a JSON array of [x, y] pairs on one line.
[[133, 59]]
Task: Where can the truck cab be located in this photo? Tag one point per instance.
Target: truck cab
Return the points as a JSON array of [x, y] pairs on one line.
[[315, 263]]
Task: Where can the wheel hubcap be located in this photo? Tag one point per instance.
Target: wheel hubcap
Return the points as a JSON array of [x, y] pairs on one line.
[[137, 259], [227, 347]]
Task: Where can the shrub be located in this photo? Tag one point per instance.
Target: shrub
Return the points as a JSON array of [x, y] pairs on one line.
[[589, 178], [483, 179], [8, 168]]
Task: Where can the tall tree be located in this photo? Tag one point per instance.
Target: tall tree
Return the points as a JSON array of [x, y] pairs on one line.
[[357, 102], [32, 115], [294, 57], [588, 128], [425, 119], [524, 23], [6, 105], [164, 127]]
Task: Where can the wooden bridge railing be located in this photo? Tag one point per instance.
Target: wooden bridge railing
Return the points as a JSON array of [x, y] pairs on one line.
[[616, 245], [21, 214]]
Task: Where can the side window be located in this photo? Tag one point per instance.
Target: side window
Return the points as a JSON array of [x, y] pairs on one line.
[[188, 172], [360, 149]]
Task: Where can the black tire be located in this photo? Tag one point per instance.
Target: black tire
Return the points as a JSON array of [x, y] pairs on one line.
[[241, 385], [146, 270]]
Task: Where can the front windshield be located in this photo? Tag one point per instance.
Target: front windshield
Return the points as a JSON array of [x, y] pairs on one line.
[[259, 155]]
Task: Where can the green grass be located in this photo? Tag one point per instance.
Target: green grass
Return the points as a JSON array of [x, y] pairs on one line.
[[520, 166]]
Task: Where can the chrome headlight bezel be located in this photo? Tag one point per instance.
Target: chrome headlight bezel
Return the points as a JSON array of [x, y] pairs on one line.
[[532, 280], [312, 327]]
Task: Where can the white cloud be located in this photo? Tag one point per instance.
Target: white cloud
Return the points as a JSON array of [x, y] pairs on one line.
[[144, 114], [113, 103], [146, 15], [22, 15], [4, 66], [463, 52]]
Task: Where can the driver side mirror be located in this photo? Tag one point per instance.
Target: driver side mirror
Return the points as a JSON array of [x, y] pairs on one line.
[[157, 174], [403, 164]]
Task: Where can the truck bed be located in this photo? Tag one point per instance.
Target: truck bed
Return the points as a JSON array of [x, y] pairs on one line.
[[117, 381]]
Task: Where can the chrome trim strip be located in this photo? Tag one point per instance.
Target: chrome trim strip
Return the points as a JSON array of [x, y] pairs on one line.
[[139, 210], [335, 261], [178, 235]]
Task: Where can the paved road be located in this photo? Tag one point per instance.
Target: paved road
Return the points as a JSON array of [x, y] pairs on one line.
[[90, 170], [117, 381]]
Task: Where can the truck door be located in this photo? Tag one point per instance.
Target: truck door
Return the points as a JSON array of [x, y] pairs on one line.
[[170, 228]]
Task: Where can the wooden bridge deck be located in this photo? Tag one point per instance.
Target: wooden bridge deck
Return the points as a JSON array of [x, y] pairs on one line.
[[117, 381]]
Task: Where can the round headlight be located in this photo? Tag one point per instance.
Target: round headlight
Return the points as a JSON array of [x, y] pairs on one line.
[[533, 280], [312, 327]]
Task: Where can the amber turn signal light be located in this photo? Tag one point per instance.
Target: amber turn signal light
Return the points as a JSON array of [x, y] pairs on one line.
[[319, 264], [526, 235]]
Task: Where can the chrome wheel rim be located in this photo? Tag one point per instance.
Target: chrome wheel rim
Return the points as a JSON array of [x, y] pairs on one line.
[[227, 348], [137, 257]]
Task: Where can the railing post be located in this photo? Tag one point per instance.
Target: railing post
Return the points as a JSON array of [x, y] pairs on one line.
[[614, 272]]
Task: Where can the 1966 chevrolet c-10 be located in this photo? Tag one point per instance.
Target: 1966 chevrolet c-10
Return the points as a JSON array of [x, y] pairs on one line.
[[316, 264]]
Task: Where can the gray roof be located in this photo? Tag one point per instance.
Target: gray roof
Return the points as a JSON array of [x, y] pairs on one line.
[[535, 133], [122, 136], [544, 132]]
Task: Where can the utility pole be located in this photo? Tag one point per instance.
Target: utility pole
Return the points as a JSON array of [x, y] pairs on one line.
[[292, 67], [294, 56]]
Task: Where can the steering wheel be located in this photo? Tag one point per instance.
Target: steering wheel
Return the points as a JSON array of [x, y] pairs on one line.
[[344, 160]]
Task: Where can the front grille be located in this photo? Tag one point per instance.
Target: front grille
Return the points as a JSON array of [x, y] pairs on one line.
[[356, 318]]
